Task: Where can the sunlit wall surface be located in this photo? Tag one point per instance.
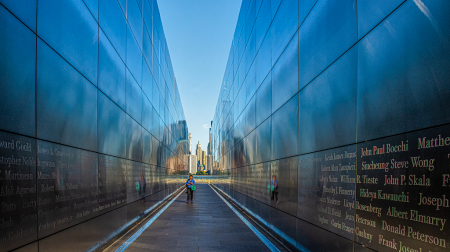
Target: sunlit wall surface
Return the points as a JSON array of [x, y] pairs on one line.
[[347, 104], [89, 107]]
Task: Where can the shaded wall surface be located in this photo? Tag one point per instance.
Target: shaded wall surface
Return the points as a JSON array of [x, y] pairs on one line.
[[89, 110], [346, 103]]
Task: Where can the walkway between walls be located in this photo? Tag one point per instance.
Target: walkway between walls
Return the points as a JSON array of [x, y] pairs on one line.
[[208, 224]]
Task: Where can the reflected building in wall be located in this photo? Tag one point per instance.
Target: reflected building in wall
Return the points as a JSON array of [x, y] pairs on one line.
[[190, 143], [209, 150], [346, 104], [186, 160], [90, 104]]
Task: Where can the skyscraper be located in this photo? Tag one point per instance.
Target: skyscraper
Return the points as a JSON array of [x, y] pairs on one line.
[[199, 153], [209, 164], [192, 164], [209, 149], [204, 158]]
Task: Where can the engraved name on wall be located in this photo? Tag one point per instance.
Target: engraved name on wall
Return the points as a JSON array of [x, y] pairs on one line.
[[326, 190], [67, 186], [18, 205], [402, 192]]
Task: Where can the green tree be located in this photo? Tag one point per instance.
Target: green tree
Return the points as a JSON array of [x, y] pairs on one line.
[[201, 173]]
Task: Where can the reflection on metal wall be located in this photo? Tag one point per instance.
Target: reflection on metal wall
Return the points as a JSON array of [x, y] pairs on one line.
[[91, 120], [344, 105]]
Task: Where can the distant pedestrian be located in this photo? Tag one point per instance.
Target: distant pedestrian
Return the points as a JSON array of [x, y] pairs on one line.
[[274, 189], [190, 184]]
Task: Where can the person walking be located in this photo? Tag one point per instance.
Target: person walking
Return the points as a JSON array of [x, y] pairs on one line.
[[190, 193]]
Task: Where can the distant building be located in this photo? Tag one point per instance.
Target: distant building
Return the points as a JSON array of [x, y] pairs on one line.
[[209, 164], [203, 157], [192, 164], [199, 153]]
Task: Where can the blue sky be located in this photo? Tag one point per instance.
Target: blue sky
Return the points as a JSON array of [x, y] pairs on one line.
[[199, 35]]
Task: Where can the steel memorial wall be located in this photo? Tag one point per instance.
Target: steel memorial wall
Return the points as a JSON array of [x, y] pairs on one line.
[[91, 121], [346, 104]]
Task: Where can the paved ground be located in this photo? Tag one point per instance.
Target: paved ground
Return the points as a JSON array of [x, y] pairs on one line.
[[208, 224]]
